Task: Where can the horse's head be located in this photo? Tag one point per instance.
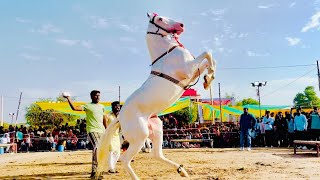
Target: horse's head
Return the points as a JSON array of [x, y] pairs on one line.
[[165, 25]]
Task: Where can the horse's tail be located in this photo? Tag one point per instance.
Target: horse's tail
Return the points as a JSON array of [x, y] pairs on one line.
[[104, 143]]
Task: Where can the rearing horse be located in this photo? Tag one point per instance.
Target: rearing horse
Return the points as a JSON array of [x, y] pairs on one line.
[[173, 70]]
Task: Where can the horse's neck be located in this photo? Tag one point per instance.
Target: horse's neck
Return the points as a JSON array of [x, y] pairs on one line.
[[158, 45]]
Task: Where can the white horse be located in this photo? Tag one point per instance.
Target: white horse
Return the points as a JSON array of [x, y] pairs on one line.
[[146, 148], [173, 70]]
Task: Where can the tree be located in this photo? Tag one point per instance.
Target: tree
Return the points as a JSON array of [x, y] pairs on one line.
[[232, 95], [308, 98], [188, 114], [248, 101], [35, 116]]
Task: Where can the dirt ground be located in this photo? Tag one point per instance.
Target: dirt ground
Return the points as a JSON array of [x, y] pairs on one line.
[[261, 163]]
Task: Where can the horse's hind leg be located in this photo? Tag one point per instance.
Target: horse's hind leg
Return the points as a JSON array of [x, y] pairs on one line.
[[136, 136], [157, 140], [147, 146], [133, 149]]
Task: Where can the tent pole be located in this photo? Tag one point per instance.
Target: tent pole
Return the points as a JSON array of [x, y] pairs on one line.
[[1, 111], [18, 110], [119, 94], [220, 103], [211, 99]]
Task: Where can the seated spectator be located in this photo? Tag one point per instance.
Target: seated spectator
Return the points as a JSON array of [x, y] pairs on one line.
[[26, 143], [72, 140], [5, 140], [52, 142], [19, 136]]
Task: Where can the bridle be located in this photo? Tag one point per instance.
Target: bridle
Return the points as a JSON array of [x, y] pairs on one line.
[[159, 27], [167, 52]]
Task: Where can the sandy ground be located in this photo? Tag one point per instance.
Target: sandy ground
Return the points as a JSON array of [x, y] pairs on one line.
[[207, 163]]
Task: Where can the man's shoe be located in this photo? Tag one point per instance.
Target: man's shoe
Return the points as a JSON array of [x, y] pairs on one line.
[[242, 149], [94, 175], [113, 171], [249, 149]]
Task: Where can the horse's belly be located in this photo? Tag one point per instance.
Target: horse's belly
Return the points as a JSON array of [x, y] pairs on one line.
[[155, 95]]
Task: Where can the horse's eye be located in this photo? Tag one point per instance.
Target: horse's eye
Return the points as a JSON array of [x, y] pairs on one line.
[[160, 19]]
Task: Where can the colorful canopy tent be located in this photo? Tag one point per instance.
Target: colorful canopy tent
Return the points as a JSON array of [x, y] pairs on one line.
[[209, 112], [180, 104], [64, 107], [255, 110], [212, 111]]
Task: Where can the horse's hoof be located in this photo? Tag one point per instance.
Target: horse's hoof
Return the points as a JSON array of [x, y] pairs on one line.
[[207, 81], [147, 150], [183, 173]]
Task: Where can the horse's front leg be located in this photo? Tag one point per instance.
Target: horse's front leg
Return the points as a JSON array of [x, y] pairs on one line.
[[210, 65]]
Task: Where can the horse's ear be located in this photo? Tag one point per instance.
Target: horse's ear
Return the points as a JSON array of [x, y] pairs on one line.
[[148, 14]]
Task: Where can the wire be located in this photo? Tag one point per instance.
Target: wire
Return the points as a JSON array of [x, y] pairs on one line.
[[289, 83], [267, 67]]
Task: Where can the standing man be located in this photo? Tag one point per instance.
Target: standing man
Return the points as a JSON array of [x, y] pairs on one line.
[[114, 147], [247, 122], [96, 123], [300, 126], [315, 124], [289, 119], [268, 124], [281, 128]]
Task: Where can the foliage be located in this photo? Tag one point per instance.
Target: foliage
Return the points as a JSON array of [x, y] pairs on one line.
[[247, 101], [35, 116], [232, 95], [308, 98], [187, 115]]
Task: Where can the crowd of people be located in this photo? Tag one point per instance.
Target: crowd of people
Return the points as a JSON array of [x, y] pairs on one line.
[[278, 129], [271, 130], [45, 138]]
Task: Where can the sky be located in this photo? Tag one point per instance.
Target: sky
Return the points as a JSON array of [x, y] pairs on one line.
[[48, 47]]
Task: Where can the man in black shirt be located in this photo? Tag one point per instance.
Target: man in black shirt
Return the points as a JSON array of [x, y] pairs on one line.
[[247, 123]]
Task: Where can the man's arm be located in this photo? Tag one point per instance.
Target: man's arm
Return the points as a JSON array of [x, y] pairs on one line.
[[265, 120], [105, 120], [291, 116], [255, 121], [240, 121], [73, 107], [294, 124], [306, 123]]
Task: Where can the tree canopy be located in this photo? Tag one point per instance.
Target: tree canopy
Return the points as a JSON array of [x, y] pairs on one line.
[[187, 115], [307, 98], [247, 101]]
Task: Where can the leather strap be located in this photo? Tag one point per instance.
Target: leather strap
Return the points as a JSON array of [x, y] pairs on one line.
[[172, 48], [168, 78]]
